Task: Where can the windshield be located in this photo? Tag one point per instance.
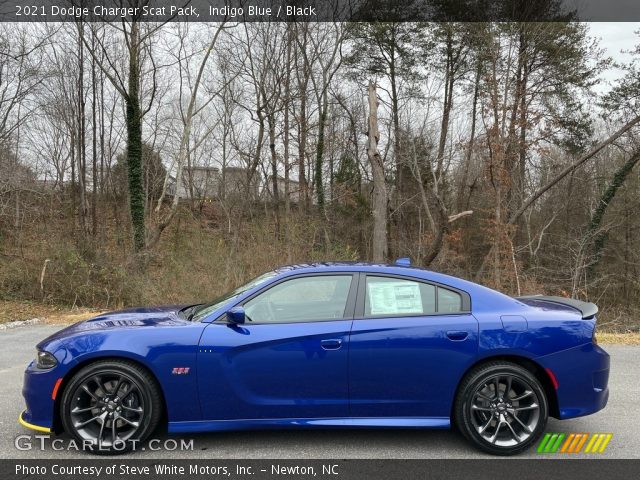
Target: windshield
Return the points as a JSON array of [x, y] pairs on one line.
[[202, 311]]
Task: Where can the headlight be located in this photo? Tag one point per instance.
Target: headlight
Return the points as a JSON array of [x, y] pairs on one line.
[[45, 360]]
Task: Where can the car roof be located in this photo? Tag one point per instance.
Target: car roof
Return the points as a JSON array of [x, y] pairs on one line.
[[299, 266], [315, 267]]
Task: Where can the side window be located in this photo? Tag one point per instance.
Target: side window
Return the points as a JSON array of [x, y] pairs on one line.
[[303, 299], [449, 301], [397, 296]]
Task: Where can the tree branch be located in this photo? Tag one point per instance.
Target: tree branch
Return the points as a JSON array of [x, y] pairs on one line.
[[591, 153]]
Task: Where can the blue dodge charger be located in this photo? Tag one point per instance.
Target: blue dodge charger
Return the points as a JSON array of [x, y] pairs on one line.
[[325, 345]]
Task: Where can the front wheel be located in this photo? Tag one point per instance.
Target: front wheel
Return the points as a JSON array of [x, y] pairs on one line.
[[111, 406], [501, 407]]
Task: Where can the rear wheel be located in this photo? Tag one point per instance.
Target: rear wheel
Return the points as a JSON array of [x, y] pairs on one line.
[[111, 406], [501, 407]]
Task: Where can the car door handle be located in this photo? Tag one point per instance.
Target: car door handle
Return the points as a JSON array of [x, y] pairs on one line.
[[331, 344], [457, 335]]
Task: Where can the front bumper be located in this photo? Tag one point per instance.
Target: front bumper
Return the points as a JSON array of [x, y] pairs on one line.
[[32, 426], [583, 375], [37, 391]]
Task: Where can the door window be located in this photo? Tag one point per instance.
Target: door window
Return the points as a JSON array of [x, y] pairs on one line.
[[388, 296], [303, 299]]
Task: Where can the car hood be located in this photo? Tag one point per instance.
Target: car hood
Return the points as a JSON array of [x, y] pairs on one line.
[[140, 317]]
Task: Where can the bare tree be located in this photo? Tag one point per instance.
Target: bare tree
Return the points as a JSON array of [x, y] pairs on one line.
[[187, 116], [135, 34], [379, 208]]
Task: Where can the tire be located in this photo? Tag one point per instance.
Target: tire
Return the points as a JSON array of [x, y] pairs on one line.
[[501, 424], [111, 399]]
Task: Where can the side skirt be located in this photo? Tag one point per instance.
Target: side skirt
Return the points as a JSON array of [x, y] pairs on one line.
[[277, 423]]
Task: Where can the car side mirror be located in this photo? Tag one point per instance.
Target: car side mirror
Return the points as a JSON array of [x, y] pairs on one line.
[[236, 315]]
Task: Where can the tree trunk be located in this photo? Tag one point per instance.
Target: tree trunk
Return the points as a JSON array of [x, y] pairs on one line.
[[82, 157], [447, 106], [285, 158], [379, 210], [302, 143], [134, 142], [469, 153], [274, 170], [320, 150], [94, 162], [397, 148]]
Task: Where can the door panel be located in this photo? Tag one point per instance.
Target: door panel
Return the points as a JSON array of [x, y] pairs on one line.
[[289, 360], [406, 351], [409, 366], [295, 370]]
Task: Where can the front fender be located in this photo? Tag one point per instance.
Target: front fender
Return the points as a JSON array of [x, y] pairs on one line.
[[159, 350]]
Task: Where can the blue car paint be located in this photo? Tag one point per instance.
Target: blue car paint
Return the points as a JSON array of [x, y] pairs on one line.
[[415, 350], [274, 371], [383, 372]]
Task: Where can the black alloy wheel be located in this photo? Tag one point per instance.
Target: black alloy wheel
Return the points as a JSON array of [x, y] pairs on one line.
[[111, 406], [502, 408]]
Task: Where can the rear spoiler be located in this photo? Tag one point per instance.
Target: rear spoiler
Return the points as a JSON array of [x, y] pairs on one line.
[[587, 309]]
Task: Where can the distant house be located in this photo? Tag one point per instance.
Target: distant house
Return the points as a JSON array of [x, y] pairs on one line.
[[236, 183], [199, 182], [209, 182], [51, 184], [294, 189], [45, 184]]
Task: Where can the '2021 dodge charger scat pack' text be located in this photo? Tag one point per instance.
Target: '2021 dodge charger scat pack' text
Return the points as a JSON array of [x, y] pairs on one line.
[[320, 346]]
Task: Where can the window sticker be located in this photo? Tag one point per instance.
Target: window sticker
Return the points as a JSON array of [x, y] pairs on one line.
[[394, 298]]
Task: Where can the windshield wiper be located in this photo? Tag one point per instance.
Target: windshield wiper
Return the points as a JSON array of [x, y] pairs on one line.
[[191, 309]]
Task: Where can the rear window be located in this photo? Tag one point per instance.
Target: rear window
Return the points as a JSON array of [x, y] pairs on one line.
[[388, 296], [449, 301]]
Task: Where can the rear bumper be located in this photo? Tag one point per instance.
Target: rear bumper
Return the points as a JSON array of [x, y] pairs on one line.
[[583, 376]]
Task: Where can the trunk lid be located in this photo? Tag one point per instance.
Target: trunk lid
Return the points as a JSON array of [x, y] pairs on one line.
[[586, 310]]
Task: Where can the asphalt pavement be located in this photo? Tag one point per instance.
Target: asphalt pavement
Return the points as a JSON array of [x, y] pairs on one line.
[[621, 417]]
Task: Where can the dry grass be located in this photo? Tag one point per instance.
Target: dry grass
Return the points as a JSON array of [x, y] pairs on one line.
[[74, 316], [198, 259], [12, 311], [619, 338]]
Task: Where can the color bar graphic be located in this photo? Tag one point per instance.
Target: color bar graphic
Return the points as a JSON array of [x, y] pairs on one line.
[[574, 442]]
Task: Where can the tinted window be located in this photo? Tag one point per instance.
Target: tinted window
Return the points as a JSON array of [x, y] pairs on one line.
[[396, 296], [203, 310], [301, 299], [449, 301]]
